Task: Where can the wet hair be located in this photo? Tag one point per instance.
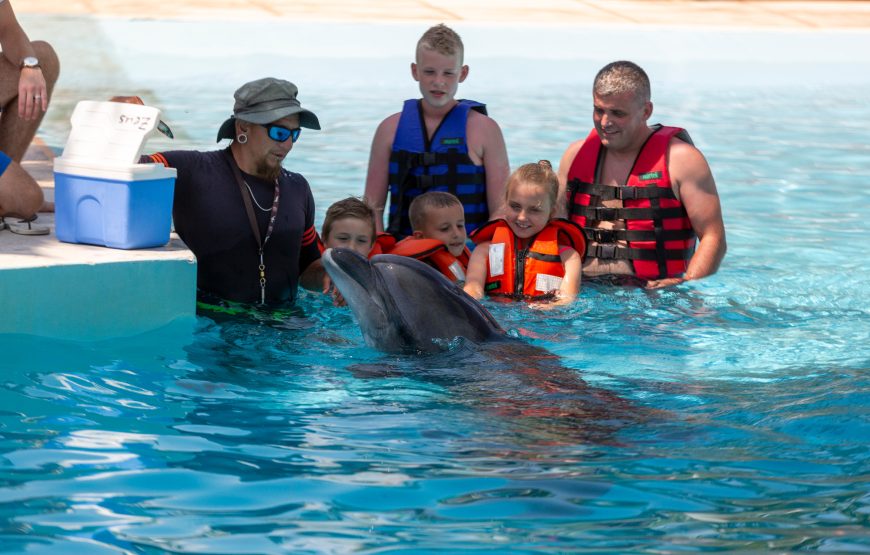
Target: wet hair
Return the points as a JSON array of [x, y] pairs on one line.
[[620, 77], [350, 207], [427, 201], [538, 173], [444, 40]]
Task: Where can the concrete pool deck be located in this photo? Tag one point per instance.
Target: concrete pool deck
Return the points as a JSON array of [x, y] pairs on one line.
[[52, 288], [854, 14], [85, 292]]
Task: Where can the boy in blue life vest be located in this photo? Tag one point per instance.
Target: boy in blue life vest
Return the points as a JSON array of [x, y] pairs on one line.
[[437, 143], [439, 237], [530, 255]]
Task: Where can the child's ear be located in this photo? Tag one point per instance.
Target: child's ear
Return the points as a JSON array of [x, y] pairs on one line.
[[463, 73], [417, 235]]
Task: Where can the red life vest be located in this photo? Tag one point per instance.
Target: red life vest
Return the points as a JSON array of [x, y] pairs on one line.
[[384, 243], [657, 229], [434, 253], [531, 273]]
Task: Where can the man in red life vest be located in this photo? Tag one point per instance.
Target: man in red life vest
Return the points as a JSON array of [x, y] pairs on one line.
[[642, 193]]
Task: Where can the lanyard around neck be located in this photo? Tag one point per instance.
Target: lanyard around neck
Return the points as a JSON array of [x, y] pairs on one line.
[[252, 218]]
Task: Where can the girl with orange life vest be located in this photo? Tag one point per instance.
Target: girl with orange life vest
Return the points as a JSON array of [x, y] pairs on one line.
[[438, 223], [529, 255]]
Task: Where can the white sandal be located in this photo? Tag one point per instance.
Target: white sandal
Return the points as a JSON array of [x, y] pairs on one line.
[[24, 227]]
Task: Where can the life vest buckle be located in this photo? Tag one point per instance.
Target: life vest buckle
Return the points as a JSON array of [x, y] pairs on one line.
[[428, 159], [605, 213], [602, 235], [605, 251], [626, 193]]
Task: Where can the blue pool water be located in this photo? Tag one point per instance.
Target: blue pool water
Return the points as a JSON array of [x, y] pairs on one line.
[[736, 408]]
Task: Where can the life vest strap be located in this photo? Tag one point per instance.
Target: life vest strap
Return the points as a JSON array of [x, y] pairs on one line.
[[427, 159], [609, 192], [614, 235], [427, 181], [544, 257], [606, 214], [612, 252]]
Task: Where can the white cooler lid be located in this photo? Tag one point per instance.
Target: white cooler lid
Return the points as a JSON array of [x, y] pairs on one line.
[[113, 171], [110, 132]]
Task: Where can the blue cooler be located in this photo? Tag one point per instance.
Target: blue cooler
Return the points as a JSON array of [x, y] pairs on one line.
[[102, 195], [112, 205]]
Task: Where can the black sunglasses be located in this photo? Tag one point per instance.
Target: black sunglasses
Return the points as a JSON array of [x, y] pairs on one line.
[[281, 134]]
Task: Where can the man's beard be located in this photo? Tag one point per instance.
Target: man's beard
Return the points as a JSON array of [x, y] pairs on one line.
[[267, 172]]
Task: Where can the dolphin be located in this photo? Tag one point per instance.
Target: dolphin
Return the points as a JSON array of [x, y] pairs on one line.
[[404, 305]]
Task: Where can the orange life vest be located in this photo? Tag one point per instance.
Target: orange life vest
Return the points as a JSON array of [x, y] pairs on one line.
[[531, 273], [657, 229], [434, 253], [384, 243]]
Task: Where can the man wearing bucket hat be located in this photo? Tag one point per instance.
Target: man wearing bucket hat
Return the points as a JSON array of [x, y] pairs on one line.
[[249, 221]]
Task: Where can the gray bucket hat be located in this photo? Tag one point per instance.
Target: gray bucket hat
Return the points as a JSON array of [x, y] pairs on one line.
[[264, 101]]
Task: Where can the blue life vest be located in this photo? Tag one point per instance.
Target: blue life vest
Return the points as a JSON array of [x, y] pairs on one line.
[[418, 165]]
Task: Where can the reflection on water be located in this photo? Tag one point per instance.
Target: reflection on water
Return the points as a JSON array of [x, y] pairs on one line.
[[729, 414]]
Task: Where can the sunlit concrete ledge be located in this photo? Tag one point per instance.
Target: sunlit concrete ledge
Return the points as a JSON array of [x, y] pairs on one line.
[[800, 14], [82, 292]]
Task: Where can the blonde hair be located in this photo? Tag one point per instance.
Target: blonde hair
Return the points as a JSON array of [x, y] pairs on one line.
[[350, 207], [537, 173], [620, 77], [427, 201], [444, 40]]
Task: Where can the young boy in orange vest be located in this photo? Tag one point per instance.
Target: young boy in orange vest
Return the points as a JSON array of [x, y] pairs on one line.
[[439, 237]]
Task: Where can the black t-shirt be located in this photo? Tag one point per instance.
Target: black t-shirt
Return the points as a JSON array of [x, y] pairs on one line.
[[210, 217]]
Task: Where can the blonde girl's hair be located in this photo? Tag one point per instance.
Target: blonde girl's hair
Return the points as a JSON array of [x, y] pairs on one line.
[[538, 173]]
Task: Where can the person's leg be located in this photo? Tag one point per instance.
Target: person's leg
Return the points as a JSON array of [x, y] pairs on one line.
[[20, 194], [16, 134]]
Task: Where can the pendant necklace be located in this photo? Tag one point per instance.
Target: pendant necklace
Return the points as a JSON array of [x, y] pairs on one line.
[[252, 218]]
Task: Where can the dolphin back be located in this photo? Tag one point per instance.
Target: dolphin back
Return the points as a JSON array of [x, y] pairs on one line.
[[430, 306]]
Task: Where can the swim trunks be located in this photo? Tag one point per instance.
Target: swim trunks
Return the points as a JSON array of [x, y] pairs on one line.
[[4, 162]]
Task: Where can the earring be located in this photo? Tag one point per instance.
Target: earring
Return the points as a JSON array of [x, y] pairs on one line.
[[242, 138]]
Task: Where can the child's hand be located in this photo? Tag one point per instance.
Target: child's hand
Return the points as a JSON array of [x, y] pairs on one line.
[[558, 299], [337, 298], [660, 283]]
